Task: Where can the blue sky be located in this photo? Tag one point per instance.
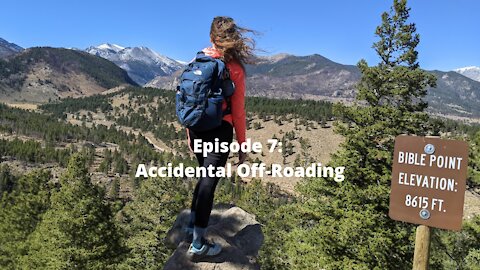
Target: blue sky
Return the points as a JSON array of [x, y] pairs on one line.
[[341, 30]]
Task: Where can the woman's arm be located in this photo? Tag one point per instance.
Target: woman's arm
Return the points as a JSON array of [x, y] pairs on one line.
[[238, 102], [237, 74], [188, 140]]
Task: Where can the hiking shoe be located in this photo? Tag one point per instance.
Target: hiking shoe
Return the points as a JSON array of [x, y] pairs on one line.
[[208, 250]]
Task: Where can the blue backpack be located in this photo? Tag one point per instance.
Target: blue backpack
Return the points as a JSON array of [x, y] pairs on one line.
[[204, 84]]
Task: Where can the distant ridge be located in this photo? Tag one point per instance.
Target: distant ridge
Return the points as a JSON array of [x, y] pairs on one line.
[[471, 72], [317, 77], [43, 74], [8, 49], [141, 63]]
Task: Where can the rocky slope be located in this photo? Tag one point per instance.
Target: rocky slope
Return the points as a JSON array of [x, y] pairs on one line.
[[301, 77], [8, 49], [455, 94], [41, 74]]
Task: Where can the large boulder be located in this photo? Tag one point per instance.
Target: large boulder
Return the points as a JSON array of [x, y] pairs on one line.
[[236, 230]]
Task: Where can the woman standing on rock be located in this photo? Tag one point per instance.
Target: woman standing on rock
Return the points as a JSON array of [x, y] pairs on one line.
[[229, 44]]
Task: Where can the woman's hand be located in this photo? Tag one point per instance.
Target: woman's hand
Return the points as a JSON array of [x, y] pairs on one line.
[[188, 141], [241, 157]]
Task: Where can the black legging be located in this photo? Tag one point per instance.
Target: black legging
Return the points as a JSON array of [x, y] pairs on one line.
[[202, 201]]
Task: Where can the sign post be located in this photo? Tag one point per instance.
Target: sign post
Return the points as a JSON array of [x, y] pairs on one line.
[[422, 248], [428, 187]]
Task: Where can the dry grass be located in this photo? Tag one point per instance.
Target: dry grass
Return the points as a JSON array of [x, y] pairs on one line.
[[323, 142], [24, 106]]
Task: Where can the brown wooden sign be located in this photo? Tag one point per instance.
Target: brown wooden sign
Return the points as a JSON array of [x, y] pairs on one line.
[[428, 181]]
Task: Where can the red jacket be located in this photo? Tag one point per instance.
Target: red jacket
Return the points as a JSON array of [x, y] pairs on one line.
[[238, 117]]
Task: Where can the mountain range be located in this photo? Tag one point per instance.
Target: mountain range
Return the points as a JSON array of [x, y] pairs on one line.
[[316, 77], [471, 72], [43, 74], [8, 49], [141, 63], [278, 76], [289, 76]]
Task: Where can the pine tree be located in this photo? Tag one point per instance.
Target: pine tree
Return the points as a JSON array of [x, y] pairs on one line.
[[345, 225], [114, 189], [147, 219], [77, 231], [7, 180], [106, 164], [120, 164], [393, 93], [20, 211], [473, 179], [457, 250]]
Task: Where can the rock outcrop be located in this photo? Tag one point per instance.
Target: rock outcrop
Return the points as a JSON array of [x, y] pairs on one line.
[[236, 230]]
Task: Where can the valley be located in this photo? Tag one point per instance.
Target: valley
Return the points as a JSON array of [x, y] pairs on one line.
[[149, 114]]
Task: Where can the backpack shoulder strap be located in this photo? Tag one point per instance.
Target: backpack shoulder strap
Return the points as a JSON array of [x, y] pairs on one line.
[[202, 57], [228, 110], [227, 84]]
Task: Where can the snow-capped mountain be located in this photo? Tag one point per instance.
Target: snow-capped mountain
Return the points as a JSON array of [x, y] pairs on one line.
[[472, 72], [141, 63], [105, 50], [7, 48]]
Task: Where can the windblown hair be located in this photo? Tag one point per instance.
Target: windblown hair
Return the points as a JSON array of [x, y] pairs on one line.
[[231, 40]]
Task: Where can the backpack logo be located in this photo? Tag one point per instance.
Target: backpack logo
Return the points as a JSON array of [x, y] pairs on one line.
[[204, 85]]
